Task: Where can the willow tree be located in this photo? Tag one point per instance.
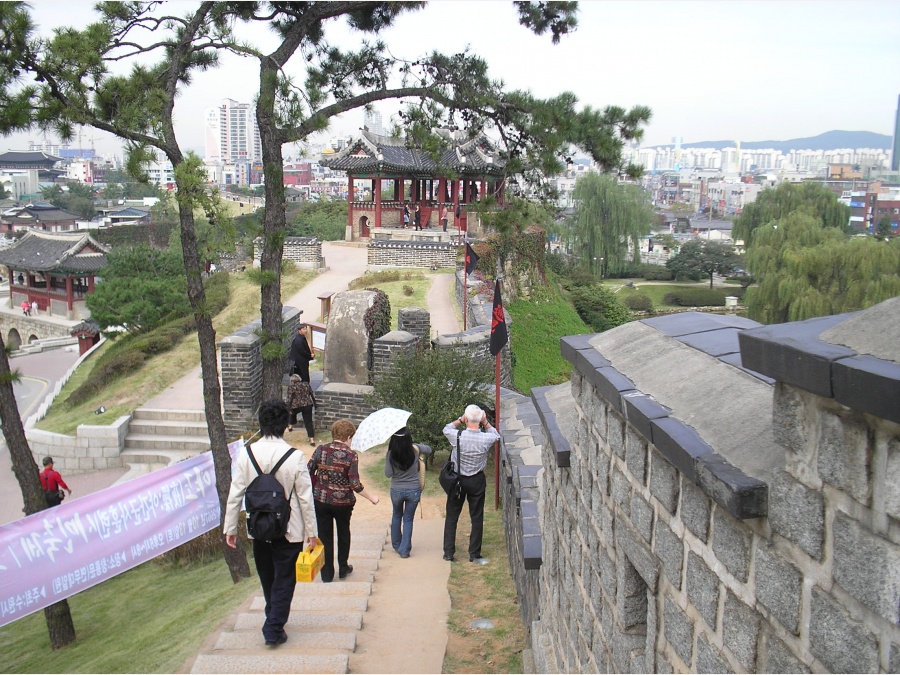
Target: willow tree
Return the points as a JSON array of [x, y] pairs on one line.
[[771, 205], [805, 269], [609, 217]]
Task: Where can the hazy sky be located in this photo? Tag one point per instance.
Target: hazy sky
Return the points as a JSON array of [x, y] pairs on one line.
[[745, 70]]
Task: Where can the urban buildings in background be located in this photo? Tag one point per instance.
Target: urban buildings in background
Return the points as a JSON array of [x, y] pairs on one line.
[[716, 181]]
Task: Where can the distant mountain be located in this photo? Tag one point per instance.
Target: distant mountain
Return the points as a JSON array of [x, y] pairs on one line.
[[830, 140]]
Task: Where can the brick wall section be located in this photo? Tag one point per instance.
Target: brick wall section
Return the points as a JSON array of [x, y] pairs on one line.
[[417, 321], [410, 254], [241, 365], [647, 567], [304, 252], [336, 400], [387, 348]]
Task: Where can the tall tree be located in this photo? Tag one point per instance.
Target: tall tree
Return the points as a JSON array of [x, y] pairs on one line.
[[806, 270], [773, 204], [451, 91], [703, 258], [609, 216], [71, 84]]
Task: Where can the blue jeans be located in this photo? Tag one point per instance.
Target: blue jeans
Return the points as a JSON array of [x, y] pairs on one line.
[[405, 503]]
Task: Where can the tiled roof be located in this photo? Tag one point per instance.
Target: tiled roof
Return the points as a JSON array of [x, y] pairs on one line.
[[75, 252], [39, 212], [28, 157], [375, 154], [129, 212]]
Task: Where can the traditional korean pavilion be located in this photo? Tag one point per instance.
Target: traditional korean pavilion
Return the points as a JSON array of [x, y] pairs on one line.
[[56, 270], [37, 216], [477, 167]]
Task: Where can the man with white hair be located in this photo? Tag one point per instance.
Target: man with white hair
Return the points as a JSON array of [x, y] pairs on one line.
[[474, 436]]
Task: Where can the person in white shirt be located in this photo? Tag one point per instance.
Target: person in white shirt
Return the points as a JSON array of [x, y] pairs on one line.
[[476, 437], [275, 560]]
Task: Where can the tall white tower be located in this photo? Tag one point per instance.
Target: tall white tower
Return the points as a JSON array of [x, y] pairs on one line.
[[231, 134], [372, 121]]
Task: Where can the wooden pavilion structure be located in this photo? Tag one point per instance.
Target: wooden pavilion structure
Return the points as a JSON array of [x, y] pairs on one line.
[[55, 270], [467, 171]]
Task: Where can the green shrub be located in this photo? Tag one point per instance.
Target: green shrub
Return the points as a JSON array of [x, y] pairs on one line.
[[639, 303], [599, 307], [657, 273], [696, 297], [435, 385], [408, 290], [103, 374]]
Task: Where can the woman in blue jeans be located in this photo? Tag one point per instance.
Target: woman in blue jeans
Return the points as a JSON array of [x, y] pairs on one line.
[[401, 465]]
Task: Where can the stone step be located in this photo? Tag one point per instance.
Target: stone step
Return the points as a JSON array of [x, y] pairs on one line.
[[271, 663], [366, 541], [172, 415], [305, 620], [157, 442], [319, 589], [310, 641], [163, 457], [168, 428], [313, 603]]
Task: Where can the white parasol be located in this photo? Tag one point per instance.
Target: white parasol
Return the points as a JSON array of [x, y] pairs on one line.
[[378, 427]]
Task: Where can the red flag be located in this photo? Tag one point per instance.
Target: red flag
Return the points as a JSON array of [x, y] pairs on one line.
[[499, 334], [471, 259]]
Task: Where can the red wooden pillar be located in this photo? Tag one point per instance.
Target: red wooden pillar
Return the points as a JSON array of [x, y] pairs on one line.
[[69, 294], [350, 201], [377, 188], [397, 197], [90, 284], [47, 291]]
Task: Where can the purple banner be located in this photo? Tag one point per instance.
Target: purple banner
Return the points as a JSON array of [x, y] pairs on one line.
[[52, 555]]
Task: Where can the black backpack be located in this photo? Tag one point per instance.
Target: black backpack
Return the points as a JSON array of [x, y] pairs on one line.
[[268, 511]]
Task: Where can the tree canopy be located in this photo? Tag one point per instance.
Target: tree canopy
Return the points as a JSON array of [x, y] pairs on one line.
[[699, 257], [326, 220], [805, 269], [142, 286], [608, 217]]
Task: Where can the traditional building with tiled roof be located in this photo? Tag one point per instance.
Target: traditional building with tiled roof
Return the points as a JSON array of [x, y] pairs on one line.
[[476, 166], [32, 159], [37, 216], [54, 270]]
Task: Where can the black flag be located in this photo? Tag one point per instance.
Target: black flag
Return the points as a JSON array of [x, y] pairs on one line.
[[499, 334], [471, 260]]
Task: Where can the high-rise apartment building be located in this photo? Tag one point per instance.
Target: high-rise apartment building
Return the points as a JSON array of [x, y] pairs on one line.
[[231, 133], [372, 122], [895, 149]]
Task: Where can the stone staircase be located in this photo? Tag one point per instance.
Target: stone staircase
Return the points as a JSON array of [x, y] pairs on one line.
[[157, 438], [323, 624]]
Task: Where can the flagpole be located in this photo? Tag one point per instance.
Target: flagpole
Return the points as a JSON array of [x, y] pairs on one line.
[[465, 290], [497, 427]]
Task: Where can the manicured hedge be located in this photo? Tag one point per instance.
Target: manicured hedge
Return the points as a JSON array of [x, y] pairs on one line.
[[638, 303], [697, 297]]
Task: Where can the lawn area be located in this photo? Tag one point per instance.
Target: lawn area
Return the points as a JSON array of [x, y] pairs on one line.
[[162, 370], [536, 329], [148, 620], [655, 291], [413, 279]]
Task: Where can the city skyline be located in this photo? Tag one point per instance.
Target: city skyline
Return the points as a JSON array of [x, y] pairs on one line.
[[709, 71]]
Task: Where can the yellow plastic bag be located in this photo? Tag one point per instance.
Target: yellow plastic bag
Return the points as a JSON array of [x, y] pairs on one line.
[[310, 562]]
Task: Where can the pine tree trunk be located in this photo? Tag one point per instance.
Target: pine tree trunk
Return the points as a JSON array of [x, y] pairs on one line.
[[59, 620], [59, 624], [236, 559], [273, 244]]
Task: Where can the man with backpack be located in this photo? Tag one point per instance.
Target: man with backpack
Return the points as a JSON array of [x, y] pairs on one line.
[[272, 479]]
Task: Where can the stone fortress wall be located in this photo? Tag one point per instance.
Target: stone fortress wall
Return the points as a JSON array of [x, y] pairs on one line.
[[738, 510]]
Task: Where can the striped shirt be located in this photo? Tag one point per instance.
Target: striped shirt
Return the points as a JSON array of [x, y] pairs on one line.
[[473, 448]]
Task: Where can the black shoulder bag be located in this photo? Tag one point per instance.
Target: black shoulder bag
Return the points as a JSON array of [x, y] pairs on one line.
[[449, 476]]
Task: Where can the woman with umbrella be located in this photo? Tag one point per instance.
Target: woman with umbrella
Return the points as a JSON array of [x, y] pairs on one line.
[[334, 469], [401, 465]]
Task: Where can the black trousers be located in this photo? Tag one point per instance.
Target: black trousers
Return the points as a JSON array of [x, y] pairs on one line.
[[276, 566], [328, 519], [301, 368], [307, 413], [473, 489]]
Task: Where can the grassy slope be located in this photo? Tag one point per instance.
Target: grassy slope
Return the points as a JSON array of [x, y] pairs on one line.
[[163, 370], [655, 291], [536, 329], [147, 620]]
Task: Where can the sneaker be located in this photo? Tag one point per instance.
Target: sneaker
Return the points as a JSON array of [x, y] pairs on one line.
[[346, 572], [312, 442]]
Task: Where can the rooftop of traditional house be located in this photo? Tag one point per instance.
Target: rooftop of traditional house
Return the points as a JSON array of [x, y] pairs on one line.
[[67, 252], [37, 212], [31, 158], [377, 155]]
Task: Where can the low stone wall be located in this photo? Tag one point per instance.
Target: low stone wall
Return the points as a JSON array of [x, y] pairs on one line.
[[428, 255], [241, 365], [27, 327], [304, 252], [387, 348], [417, 321], [336, 400], [92, 448]]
